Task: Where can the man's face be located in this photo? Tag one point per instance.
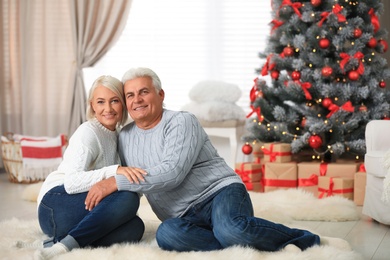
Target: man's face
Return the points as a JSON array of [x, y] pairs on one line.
[[143, 103]]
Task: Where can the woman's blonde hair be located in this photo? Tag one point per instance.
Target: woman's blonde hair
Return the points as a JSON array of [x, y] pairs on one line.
[[113, 84]]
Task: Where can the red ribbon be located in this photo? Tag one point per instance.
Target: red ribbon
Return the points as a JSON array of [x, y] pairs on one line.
[[256, 110], [374, 20], [362, 168], [305, 86], [336, 11], [334, 108], [313, 179], [276, 24], [330, 190], [253, 92], [267, 66], [244, 174], [280, 183], [294, 6], [273, 154], [346, 57]]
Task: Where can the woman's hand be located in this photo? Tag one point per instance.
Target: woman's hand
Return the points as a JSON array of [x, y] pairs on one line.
[[99, 191], [133, 174]]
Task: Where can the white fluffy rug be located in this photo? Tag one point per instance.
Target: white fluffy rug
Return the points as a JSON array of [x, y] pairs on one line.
[[282, 206]]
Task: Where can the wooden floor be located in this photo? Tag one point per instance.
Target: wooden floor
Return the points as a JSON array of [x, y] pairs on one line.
[[367, 237]]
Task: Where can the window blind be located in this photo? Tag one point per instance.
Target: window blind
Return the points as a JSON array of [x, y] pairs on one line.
[[185, 42]]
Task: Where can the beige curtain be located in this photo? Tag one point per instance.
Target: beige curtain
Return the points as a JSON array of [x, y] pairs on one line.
[[96, 25], [44, 46]]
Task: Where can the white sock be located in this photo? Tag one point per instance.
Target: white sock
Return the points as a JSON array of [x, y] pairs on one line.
[[335, 242], [35, 244], [50, 252]]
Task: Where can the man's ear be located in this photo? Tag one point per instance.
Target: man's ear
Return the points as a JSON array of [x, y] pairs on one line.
[[162, 94]]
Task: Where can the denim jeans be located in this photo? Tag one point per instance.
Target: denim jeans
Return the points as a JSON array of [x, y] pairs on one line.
[[224, 220], [113, 220]]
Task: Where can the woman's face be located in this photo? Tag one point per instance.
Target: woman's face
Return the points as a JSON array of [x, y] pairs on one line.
[[107, 107]]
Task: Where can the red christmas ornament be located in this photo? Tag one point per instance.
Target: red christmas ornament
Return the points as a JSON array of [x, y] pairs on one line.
[[275, 74], [315, 3], [247, 148], [288, 51], [382, 84], [327, 102], [372, 43], [324, 43], [303, 122], [384, 44], [296, 75], [357, 32], [327, 71], [353, 75], [315, 141]]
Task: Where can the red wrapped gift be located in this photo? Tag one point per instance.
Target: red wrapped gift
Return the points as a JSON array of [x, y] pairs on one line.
[[335, 186], [308, 173], [277, 152], [249, 171], [279, 176]]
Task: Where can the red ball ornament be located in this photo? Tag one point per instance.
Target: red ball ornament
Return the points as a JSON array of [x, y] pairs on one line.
[[382, 84], [275, 74], [384, 44], [303, 122], [363, 108], [296, 75], [327, 102], [247, 148], [327, 71], [357, 32], [315, 141], [288, 51], [315, 3], [353, 75], [324, 43], [372, 43]]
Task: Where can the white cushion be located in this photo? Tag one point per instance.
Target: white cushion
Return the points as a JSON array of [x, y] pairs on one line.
[[213, 90], [215, 111], [373, 206]]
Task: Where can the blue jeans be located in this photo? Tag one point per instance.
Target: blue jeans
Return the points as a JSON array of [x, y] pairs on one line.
[[226, 219], [113, 220]]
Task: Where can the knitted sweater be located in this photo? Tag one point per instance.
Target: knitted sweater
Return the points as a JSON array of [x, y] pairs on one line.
[[183, 168], [90, 157]]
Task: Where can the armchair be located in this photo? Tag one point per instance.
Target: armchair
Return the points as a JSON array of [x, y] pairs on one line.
[[377, 145]]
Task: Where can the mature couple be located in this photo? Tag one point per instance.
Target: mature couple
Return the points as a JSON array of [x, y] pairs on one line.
[[165, 155]]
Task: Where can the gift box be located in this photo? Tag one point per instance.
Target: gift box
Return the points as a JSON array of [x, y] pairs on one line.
[[279, 176], [335, 186], [254, 186], [257, 152], [277, 152], [308, 173], [249, 171], [359, 189]]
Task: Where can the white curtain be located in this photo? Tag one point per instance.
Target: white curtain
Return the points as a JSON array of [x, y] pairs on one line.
[[96, 25], [44, 45]]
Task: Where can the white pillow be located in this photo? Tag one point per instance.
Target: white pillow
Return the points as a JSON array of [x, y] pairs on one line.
[[215, 111], [209, 90]]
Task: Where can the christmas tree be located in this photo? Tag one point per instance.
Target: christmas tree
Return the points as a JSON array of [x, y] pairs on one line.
[[327, 77]]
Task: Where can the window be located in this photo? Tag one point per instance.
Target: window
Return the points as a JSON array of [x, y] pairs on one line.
[[185, 42]]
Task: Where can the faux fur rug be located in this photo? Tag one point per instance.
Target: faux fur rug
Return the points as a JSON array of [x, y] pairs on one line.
[[283, 206]]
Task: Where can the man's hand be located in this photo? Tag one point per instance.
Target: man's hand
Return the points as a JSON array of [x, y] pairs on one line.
[[133, 174], [99, 191]]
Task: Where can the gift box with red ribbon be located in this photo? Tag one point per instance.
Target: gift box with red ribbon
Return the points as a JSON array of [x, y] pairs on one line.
[[279, 176], [249, 171], [308, 173], [254, 186], [277, 152], [359, 189], [335, 186]]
